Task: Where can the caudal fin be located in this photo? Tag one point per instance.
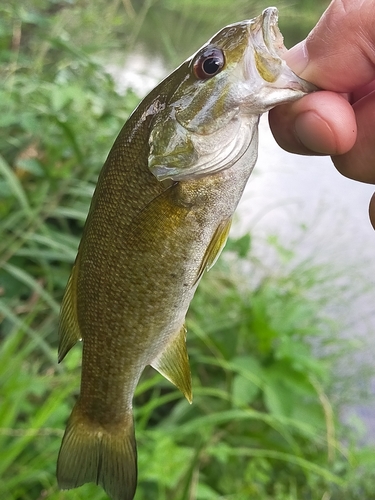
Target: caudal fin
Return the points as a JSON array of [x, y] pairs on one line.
[[104, 455]]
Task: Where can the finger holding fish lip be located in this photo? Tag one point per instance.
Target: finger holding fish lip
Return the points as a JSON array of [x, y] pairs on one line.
[[338, 56], [322, 123], [325, 123]]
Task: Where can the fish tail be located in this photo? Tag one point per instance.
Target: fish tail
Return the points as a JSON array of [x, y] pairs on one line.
[[106, 455]]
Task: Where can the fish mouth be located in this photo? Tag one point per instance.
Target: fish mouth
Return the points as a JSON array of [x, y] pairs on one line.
[[272, 36], [268, 45]]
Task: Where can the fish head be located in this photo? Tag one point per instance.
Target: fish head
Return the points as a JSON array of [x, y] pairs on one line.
[[210, 115]]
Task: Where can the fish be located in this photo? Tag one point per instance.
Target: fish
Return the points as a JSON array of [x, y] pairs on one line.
[[159, 218]]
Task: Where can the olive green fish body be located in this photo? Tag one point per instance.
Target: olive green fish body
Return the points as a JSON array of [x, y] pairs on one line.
[[159, 218], [141, 284]]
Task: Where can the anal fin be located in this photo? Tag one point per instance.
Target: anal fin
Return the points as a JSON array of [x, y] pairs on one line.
[[69, 332], [173, 364]]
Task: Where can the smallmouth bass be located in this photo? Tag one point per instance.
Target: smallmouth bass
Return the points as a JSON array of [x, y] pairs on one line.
[[159, 218]]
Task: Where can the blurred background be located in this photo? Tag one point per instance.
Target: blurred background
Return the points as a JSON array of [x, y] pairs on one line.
[[281, 331]]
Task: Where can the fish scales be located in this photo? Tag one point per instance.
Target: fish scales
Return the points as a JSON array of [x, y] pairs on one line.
[[159, 218]]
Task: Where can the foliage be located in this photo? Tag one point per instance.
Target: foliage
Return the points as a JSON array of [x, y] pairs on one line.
[[262, 424]]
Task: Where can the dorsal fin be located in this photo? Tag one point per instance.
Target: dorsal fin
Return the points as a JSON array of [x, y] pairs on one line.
[[69, 332], [173, 364]]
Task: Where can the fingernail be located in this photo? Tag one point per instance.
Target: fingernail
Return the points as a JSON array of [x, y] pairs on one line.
[[314, 133], [297, 58]]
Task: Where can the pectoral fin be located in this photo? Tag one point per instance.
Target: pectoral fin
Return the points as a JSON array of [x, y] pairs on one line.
[[173, 364], [69, 332], [215, 247]]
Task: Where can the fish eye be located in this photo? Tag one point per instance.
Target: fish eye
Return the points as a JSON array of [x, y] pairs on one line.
[[208, 63]]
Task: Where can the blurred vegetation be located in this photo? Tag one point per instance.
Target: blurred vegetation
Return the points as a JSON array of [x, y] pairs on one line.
[[263, 423]]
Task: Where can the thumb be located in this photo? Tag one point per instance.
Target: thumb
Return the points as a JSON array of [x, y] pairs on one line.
[[339, 53]]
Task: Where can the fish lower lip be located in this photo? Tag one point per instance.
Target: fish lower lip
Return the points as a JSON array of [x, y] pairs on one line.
[[270, 30], [267, 44], [271, 49]]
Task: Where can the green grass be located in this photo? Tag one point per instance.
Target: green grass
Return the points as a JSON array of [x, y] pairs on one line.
[[264, 421]]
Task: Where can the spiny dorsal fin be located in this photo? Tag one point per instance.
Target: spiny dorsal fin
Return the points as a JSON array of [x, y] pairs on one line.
[[69, 332], [215, 247], [173, 364]]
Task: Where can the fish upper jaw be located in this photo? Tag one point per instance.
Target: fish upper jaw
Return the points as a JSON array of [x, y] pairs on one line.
[[267, 76]]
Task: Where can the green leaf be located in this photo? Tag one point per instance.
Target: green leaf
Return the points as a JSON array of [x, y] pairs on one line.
[[168, 462], [205, 492], [247, 383], [244, 391], [241, 246], [31, 165], [14, 185]]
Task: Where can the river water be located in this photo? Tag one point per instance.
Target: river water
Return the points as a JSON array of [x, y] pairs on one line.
[[323, 217]]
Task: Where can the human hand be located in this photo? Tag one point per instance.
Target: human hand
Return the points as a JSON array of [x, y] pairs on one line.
[[338, 56]]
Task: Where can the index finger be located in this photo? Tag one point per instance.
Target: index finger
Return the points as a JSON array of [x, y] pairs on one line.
[[339, 53]]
